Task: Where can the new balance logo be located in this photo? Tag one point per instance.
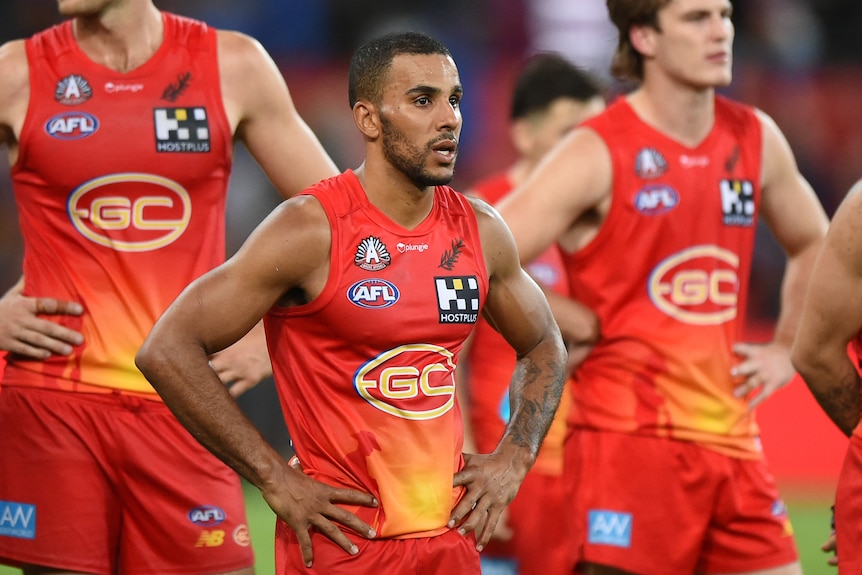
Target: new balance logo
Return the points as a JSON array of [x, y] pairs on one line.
[[213, 538]]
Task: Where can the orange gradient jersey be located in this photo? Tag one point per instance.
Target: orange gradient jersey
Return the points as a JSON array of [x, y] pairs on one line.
[[120, 185], [365, 371], [491, 359], [668, 276]]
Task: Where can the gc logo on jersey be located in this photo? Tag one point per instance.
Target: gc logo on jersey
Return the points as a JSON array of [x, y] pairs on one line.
[[698, 286], [457, 299], [182, 130], [737, 202], [130, 212], [373, 293], [413, 381]]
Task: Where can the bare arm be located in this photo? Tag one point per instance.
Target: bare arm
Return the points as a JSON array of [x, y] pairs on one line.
[[573, 179], [288, 250], [832, 317], [264, 118], [797, 220], [517, 308]]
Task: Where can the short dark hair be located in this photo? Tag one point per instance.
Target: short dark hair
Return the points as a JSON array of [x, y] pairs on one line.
[[372, 60], [547, 76]]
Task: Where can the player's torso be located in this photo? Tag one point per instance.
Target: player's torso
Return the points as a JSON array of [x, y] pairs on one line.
[[668, 273], [120, 184], [372, 358]]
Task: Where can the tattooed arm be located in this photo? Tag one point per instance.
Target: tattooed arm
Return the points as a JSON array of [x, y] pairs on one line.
[[517, 308], [832, 317]]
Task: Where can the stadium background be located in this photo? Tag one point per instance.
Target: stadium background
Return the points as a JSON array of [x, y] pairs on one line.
[[795, 59]]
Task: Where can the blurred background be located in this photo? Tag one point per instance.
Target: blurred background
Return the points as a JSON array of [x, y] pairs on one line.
[[798, 60]]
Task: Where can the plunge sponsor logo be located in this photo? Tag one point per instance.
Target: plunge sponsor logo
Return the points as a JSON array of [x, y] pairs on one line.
[[17, 520]]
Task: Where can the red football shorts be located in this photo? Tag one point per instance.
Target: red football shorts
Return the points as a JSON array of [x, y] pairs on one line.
[[848, 511], [539, 518], [444, 554], [113, 484], [656, 506]]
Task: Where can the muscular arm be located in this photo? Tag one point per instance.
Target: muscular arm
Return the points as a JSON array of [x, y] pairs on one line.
[[573, 179], [832, 316], [288, 250], [797, 220], [264, 118], [517, 308]]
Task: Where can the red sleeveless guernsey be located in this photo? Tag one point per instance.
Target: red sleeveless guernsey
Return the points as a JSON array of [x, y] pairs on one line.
[[492, 360], [365, 370], [668, 276], [120, 185]]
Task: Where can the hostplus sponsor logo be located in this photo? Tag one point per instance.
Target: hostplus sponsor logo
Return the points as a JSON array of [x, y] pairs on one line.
[[737, 203], [457, 299], [17, 520], [180, 130]]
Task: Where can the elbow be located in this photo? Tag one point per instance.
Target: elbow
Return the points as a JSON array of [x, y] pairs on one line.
[[149, 357]]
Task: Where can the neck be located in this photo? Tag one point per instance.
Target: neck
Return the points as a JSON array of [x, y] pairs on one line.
[[684, 114], [121, 38], [394, 195]]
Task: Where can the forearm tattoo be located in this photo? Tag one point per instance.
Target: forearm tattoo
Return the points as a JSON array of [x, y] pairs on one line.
[[843, 403], [534, 398]]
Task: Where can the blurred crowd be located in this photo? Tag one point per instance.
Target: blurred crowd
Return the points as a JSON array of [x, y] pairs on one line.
[[796, 59]]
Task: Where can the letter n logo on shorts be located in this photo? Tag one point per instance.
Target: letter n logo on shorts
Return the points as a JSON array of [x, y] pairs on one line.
[[610, 528]]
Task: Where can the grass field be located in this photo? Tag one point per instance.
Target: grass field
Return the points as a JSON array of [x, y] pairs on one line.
[[809, 514]]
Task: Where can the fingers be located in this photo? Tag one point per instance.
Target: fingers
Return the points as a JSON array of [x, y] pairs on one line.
[[51, 306], [351, 496], [304, 539]]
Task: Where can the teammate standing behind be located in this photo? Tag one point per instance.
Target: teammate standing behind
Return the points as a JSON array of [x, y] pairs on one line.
[[370, 283], [120, 124], [551, 96], [654, 204], [831, 320]]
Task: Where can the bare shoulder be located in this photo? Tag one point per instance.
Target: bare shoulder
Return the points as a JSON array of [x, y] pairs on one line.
[[14, 83], [240, 55], [488, 218]]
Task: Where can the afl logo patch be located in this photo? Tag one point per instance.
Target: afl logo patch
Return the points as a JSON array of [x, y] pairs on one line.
[[373, 293], [207, 515], [72, 126], [656, 199]]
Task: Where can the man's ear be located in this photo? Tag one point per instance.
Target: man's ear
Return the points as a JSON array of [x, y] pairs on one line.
[[643, 39], [367, 119]]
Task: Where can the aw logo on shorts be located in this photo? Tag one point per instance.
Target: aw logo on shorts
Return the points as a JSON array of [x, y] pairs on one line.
[[17, 520], [610, 528], [130, 212], [414, 381], [697, 286]]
